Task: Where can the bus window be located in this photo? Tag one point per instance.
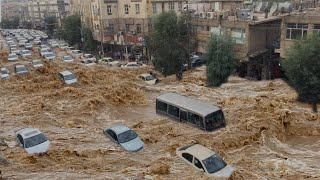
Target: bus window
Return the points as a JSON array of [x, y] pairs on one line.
[[174, 111], [161, 106], [183, 115], [195, 119], [215, 120]]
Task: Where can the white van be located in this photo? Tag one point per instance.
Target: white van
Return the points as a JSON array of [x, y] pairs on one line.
[[67, 77]]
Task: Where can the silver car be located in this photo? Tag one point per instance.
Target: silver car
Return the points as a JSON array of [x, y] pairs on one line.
[[32, 140], [125, 137], [4, 73]]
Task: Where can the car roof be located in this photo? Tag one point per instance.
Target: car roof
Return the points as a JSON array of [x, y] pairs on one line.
[[65, 73], [3, 68], [145, 74], [190, 104], [119, 128], [20, 65], [199, 151], [36, 60], [12, 54], [28, 132]]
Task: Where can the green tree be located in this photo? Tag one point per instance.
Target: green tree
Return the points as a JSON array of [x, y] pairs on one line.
[[10, 23], [89, 43], [71, 29], [220, 60], [51, 24], [302, 70], [167, 43]]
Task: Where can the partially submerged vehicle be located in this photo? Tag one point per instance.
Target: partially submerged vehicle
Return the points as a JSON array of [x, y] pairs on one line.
[[4, 73], [205, 160], [21, 69], [32, 140], [67, 77], [148, 78], [184, 109], [125, 137]]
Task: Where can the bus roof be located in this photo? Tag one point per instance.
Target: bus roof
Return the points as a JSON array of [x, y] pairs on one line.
[[189, 104]]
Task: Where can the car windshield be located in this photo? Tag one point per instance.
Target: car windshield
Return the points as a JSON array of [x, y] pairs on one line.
[[25, 52], [12, 56], [127, 136], [67, 57], [4, 71], [35, 140], [69, 77], [214, 164], [20, 69], [150, 78], [49, 55], [44, 50], [36, 62]]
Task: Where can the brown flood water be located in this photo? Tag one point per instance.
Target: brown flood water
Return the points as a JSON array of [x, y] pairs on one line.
[[268, 136]]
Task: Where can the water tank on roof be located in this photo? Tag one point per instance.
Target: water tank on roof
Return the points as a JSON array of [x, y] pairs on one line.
[[244, 14], [285, 7]]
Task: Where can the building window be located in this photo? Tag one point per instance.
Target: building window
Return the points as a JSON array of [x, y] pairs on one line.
[[171, 6], [111, 27], [138, 28], [109, 10], [137, 8], [297, 31], [238, 35], [127, 28], [316, 29], [180, 6], [154, 8], [126, 9]]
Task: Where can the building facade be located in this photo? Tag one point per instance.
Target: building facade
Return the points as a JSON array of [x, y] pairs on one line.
[[13, 8], [40, 9]]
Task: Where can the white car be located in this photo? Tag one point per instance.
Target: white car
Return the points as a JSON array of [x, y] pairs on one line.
[[25, 53], [36, 63], [131, 65], [67, 77], [21, 69], [67, 59], [63, 47], [43, 52], [32, 140], [109, 61], [148, 78], [4, 73], [44, 47], [37, 41], [125, 137], [17, 52], [205, 160], [89, 57], [12, 57], [50, 56], [54, 45], [28, 46], [75, 53], [87, 62]]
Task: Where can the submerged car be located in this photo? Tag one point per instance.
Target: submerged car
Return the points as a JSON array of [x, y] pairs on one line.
[[36, 63], [67, 59], [4, 73], [33, 140], [125, 137], [25, 53], [148, 78], [109, 61], [49, 56], [67, 77], [203, 159], [21, 69], [13, 57], [42, 52], [89, 57], [87, 62], [132, 65]]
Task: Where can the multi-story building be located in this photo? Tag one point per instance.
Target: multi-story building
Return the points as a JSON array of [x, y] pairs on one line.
[[82, 8], [13, 8], [40, 9]]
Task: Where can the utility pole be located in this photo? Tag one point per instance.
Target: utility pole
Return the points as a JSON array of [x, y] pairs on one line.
[[101, 30]]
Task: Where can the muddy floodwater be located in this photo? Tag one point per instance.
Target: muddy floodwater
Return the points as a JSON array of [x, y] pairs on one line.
[[268, 135]]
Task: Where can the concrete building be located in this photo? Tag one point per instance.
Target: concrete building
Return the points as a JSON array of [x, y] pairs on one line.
[[297, 26], [13, 8], [40, 9]]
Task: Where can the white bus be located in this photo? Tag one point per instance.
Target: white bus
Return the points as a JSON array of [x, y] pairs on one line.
[[195, 112]]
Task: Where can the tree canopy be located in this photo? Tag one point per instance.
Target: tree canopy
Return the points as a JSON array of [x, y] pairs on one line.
[[71, 29], [167, 43], [220, 60], [12, 23], [89, 43], [51, 24], [302, 70]]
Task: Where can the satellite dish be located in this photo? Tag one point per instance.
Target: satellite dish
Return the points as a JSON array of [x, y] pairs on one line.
[[259, 6], [285, 7], [274, 9]]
